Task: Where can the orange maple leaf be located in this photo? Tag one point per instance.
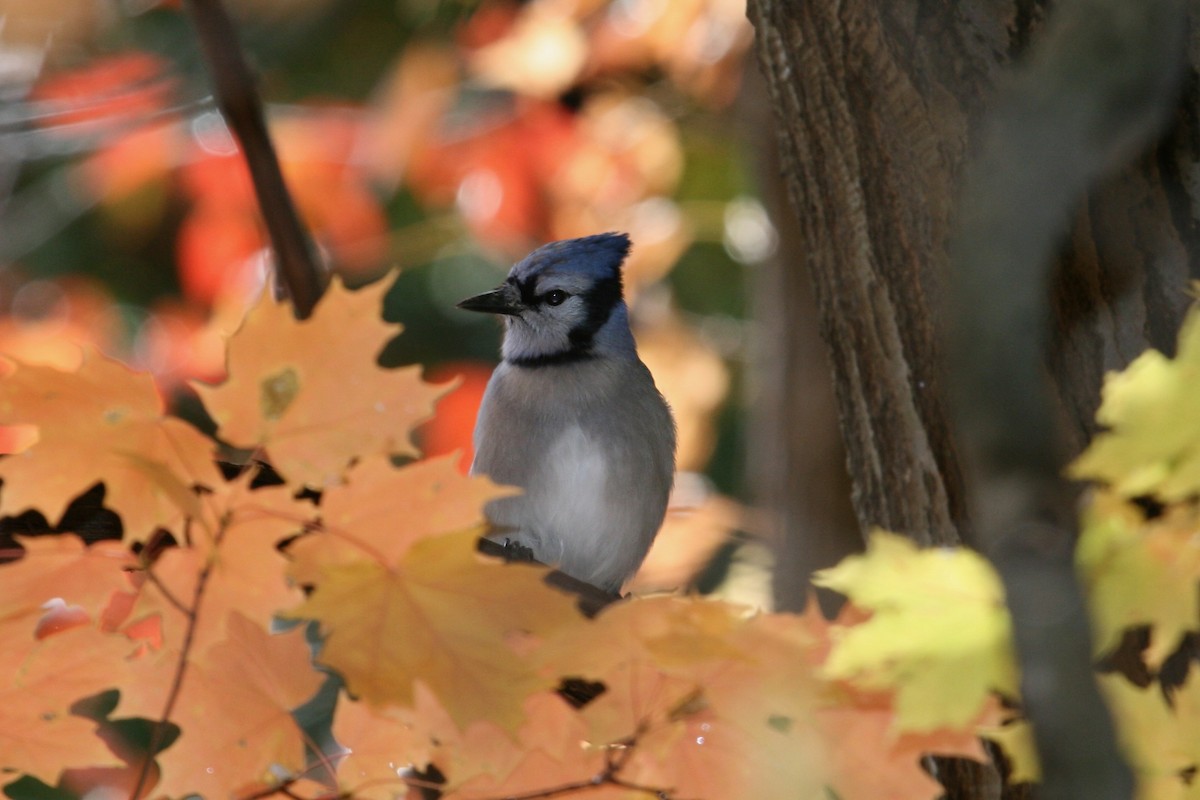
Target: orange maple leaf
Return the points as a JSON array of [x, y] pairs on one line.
[[866, 758], [40, 681], [869, 749], [679, 636], [310, 394], [379, 744], [716, 702], [62, 567], [234, 710], [755, 729], [444, 615], [381, 512], [233, 543], [548, 750], [101, 423]]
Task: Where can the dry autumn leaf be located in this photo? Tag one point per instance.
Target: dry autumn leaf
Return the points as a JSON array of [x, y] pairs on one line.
[[101, 423], [721, 703], [381, 512], [310, 394], [234, 710], [678, 634], [868, 760], [233, 546], [550, 750], [484, 760], [444, 615], [765, 708], [40, 681], [62, 567], [379, 745]]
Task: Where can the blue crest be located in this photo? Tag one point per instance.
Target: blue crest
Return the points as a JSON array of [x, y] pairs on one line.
[[599, 256]]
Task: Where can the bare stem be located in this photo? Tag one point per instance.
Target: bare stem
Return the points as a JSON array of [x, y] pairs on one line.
[[614, 761], [242, 108], [189, 637], [167, 593]]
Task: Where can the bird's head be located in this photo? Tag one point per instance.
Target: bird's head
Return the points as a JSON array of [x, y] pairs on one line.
[[563, 302]]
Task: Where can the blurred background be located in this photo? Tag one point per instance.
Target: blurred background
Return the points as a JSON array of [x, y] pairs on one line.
[[442, 139]]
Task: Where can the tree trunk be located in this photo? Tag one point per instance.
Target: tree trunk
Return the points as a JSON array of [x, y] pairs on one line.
[[880, 106], [799, 462]]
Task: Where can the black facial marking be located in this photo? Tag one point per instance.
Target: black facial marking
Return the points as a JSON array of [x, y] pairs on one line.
[[601, 299], [528, 290]]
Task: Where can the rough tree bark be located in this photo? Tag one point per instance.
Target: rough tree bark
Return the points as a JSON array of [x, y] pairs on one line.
[[880, 107]]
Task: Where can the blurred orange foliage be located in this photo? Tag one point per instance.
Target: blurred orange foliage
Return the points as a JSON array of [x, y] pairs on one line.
[[453, 422]]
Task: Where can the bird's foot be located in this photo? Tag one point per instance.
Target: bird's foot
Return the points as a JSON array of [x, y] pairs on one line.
[[515, 551]]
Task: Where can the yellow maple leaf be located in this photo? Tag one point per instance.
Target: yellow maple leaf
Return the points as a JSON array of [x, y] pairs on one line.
[[1152, 446], [939, 634], [1015, 738], [103, 422], [444, 615], [1161, 739], [310, 394], [1140, 572]]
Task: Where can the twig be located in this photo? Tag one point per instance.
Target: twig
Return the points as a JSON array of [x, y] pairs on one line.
[[189, 636], [285, 788], [614, 762], [242, 108], [167, 593]]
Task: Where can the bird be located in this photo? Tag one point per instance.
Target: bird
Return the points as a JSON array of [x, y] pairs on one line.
[[572, 416]]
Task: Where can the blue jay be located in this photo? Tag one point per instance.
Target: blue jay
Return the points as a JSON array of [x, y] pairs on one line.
[[572, 416]]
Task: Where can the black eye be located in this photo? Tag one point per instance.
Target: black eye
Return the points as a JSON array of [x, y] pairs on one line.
[[556, 297]]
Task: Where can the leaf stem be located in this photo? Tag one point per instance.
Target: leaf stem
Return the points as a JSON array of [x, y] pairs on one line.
[[615, 759], [167, 593], [189, 637]]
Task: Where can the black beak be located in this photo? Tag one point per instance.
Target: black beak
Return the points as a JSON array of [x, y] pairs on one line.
[[497, 301]]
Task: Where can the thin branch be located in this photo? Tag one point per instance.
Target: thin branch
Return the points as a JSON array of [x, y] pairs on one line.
[[167, 593], [238, 99], [285, 788], [189, 637], [615, 759]]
